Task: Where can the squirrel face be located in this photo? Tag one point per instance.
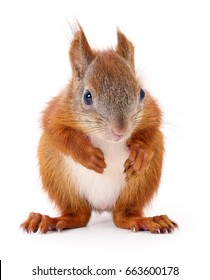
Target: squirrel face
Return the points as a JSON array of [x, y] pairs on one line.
[[108, 98]]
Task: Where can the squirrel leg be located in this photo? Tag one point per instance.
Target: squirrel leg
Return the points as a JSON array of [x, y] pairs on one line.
[[143, 172], [43, 223], [128, 211]]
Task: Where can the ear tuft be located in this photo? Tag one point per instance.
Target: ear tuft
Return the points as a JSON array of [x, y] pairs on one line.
[[125, 48], [80, 53]]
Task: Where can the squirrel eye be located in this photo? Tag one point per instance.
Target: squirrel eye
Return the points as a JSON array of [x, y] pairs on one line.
[[88, 100], [141, 95]]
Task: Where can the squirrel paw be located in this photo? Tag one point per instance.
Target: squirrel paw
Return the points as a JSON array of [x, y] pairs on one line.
[[37, 222], [137, 161], [157, 224], [93, 158], [43, 223]]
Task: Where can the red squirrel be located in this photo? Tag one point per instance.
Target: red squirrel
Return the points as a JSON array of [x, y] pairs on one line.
[[102, 147]]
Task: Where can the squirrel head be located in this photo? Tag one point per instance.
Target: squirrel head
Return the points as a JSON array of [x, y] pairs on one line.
[[104, 94]]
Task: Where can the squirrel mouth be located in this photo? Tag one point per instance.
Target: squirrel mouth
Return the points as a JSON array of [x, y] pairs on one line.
[[117, 138]]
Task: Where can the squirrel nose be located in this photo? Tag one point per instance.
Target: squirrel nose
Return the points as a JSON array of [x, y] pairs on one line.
[[119, 132]]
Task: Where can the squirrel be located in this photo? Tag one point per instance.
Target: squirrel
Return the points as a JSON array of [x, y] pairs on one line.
[[102, 147]]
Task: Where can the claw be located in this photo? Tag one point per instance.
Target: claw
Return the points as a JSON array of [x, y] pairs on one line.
[[157, 230], [133, 229]]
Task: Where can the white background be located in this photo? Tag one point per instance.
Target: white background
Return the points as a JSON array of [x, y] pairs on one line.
[[172, 44]]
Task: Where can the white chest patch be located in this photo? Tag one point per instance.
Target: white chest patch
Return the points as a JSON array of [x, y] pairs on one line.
[[101, 190]]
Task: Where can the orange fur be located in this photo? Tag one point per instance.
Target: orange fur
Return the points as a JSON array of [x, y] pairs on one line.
[[68, 128]]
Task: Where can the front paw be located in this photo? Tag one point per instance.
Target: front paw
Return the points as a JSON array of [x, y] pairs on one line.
[[93, 158], [138, 160]]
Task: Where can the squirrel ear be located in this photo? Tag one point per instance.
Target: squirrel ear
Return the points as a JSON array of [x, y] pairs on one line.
[[80, 53], [125, 48]]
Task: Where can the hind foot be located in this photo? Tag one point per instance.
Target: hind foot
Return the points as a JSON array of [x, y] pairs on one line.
[[157, 224], [43, 223]]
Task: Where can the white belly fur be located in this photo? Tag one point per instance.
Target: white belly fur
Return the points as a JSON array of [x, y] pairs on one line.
[[101, 190]]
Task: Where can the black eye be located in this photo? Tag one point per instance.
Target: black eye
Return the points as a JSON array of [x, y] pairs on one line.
[[88, 98], [141, 95]]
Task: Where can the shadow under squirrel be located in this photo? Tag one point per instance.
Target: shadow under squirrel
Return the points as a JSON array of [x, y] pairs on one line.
[[102, 147]]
